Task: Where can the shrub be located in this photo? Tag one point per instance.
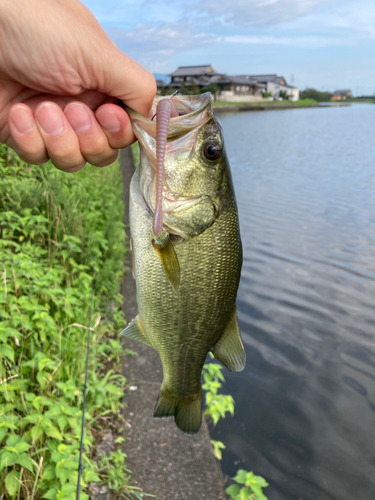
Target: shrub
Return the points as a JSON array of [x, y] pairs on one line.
[[54, 229]]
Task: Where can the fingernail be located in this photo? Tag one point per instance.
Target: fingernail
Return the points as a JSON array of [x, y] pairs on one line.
[[78, 117], [22, 119], [108, 121], [49, 119]]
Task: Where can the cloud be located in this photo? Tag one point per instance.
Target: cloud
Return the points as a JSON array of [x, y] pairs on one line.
[[340, 17], [257, 13], [295, 41], [152, 45]]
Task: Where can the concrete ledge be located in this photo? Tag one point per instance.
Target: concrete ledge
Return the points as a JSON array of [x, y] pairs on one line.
[[163, 461]]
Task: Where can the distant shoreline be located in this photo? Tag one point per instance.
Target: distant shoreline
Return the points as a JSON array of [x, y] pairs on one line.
[[225, 107], [262, 106]]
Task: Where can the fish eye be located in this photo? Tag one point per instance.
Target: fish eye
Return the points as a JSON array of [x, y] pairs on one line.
[[212, 150]]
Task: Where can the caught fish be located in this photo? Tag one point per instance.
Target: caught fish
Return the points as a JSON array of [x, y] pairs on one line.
[[187, 252]]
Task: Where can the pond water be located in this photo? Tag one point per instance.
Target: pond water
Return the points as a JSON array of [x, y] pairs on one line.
[[305, 403]]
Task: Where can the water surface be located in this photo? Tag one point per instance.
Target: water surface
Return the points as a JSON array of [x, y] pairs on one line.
[[305, 403]]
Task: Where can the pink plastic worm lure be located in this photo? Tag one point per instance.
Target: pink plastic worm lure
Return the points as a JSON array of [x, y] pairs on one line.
[[164, 112]]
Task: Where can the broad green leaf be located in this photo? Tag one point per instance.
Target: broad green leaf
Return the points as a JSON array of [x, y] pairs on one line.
[[260, 496], [33, 418], [22, 446], [50, 495], [68, 489], [49, 473], [54, 433], [12, 440], [217, 447], [3, 432], [62, 422], [261, 481], [91, 476], [245, 494], [7, 459], [71, 464], [7, 351], [12, 482], [241, 476], [25, 462], [36, 432], [233, 490]]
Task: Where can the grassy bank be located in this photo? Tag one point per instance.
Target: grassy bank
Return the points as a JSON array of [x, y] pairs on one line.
[[356, 99], [301, 102], [54, 229]]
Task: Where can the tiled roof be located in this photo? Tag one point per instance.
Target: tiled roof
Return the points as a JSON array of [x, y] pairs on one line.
[[342, 92], [263, 78], [243, 80], [193, 70], [159, 83]]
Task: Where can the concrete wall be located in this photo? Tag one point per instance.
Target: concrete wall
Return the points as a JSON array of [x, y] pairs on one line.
[[293, 94], [275, 88], [232, 96]]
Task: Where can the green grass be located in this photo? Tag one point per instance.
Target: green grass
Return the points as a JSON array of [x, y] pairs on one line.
[[301, 102], [355, 99], [54, 228]]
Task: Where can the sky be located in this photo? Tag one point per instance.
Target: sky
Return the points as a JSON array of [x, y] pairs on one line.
[[324, 44]]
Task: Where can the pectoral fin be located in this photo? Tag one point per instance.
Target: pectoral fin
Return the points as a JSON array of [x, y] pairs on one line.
[[168, 258], [229, 348], [135, 331]]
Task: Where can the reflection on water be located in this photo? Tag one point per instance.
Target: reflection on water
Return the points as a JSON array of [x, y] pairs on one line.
[[305, 404]]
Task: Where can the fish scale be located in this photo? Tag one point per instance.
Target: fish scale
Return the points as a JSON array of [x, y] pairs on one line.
[[185, 318]]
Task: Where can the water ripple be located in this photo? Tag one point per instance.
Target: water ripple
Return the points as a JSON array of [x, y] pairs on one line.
[[305, 404]]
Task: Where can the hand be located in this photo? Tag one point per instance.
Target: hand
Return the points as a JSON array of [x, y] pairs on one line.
[[60, 77]]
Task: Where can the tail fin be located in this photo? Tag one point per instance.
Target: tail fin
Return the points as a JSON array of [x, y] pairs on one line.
[[187, 411]]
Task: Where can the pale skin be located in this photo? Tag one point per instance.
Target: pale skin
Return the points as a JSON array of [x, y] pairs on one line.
[[60, 79]]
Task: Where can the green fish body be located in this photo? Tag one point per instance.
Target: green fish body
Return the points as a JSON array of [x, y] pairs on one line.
[[187, 278]]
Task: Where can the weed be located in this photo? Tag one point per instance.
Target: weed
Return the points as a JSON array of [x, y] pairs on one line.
[[252, 489], [54, 227], [217, 406]]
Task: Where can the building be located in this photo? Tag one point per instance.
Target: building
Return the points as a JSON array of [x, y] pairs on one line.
[[341, 95], [232, 88], [159, 85], [274, 84], [239, 88], [187, 74]]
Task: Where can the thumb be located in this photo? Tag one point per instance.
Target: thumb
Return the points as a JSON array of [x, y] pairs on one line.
[[125, 79]]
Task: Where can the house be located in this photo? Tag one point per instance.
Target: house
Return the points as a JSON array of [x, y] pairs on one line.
[[239, 88], [232, 88], [159, 85], [341, 95], [187, 74], [274, 84]]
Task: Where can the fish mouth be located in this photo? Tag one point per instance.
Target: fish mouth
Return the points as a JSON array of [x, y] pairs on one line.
[[173, 201], [179, 120], [200, 106]]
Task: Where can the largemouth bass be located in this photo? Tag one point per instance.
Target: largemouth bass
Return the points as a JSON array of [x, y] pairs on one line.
[[187, 252]]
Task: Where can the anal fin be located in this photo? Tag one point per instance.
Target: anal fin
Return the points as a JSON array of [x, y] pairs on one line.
[[229, 348], [169, 260], [135, 331]]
